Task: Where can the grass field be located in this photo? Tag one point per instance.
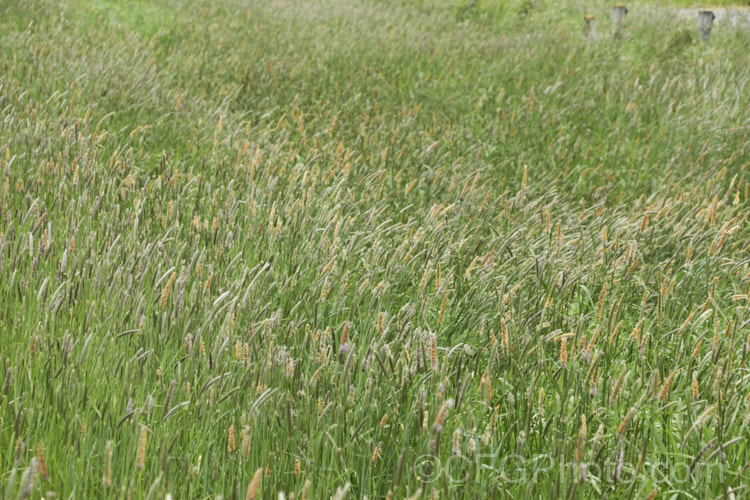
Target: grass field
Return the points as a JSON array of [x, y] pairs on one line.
[[372, 249]]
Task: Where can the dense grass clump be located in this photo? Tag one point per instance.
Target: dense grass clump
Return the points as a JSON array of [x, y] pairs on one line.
[[371, 249]]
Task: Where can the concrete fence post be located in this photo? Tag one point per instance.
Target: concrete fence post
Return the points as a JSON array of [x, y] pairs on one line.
[[705, 21], [618, 18], [589, 26]]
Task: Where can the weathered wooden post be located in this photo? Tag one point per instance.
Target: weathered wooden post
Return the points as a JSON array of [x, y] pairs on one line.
[[618, 18], [589, 26], [705, 21]]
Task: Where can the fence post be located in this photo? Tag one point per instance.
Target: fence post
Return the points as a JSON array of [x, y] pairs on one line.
[[589, 26], [705, 20], [618, 18]]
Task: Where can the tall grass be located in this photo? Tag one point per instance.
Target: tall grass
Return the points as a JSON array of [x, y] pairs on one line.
[[371, 249]]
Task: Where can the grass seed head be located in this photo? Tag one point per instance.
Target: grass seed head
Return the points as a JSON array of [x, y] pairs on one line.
[[625, 423], [42, 462], [231, 440], [141, 454], [254, 486]]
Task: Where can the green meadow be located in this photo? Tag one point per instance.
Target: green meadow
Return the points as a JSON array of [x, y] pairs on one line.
[[372, 249]]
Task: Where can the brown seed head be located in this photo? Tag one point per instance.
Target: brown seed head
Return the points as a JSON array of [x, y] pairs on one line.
[[231, 440], [254, 486], [141, 455]]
